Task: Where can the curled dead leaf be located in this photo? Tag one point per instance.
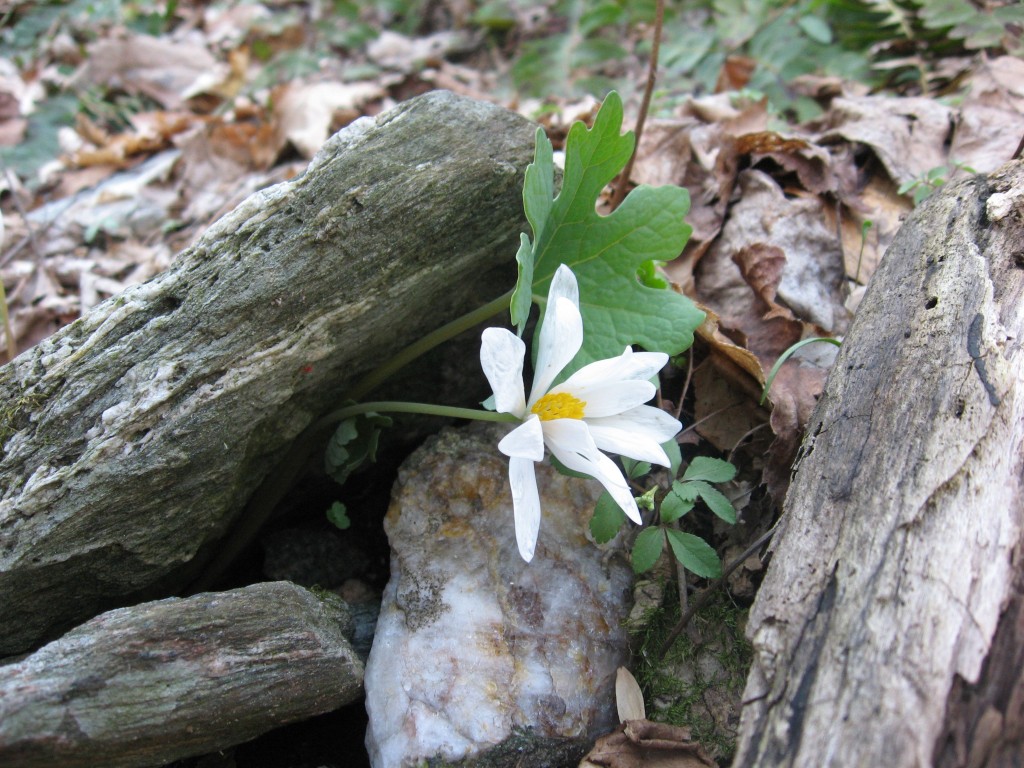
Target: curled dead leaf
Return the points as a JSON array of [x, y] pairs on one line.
[[644, 744]]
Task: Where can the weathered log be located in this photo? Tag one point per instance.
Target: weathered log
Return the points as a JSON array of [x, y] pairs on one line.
[[894, 559], [159, 681], [133, 437]]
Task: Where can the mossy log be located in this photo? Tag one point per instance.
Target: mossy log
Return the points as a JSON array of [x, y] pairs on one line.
[[132, 438], [159, 681], [897, 566]]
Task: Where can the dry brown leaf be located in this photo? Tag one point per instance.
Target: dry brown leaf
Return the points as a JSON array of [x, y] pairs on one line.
[[307, 113], [643, 744], [723, 346], [990, 122], [794, 393], [153, 132], [725, 403], [878, 202], [811, 164], [162, 69], [735, 73], [404, 54], [908, 135], [809, 286], [761, 266]]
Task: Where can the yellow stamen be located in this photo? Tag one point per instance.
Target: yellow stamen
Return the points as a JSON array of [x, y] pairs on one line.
[[558, 406]]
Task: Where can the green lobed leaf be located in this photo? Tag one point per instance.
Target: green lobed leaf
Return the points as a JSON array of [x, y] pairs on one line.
[[694, 553], [605, 252], [338, 515], [709, 469], [647, 548], [353, 442], [716, 500], [607, 519]]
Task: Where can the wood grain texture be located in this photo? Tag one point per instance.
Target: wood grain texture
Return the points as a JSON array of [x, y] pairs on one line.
[[894, 556], [132, 438], [163, 680]]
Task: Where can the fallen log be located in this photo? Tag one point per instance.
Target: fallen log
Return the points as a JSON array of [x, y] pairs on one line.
[[900, 539], [132, 438], [156, 682]]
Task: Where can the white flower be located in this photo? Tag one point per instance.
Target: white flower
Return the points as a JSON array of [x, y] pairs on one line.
[[598, 408]]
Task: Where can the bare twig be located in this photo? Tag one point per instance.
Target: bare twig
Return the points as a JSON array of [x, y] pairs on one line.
[[743, 437], [711, 415], [619, 193], [686, 383]]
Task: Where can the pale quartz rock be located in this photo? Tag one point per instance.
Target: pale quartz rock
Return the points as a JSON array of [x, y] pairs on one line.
[[472, 641]]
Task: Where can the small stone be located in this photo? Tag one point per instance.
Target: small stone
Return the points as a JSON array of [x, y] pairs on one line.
[[472, 642]]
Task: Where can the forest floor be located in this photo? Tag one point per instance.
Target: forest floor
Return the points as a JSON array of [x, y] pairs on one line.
[[127, 129]]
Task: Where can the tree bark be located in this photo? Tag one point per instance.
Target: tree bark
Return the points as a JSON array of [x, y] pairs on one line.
[[895, 554], [160, 681], [133, 437]]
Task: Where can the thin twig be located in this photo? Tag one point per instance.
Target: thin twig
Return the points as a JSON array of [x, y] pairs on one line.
[[711, 415], [686, 383], [702, 599], [619, 193], [743, 437]]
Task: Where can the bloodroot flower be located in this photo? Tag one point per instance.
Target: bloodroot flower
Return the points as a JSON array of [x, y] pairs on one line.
[[598, 408]]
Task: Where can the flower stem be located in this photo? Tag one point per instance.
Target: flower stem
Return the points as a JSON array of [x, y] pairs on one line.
[[425, 408], [380, 374]]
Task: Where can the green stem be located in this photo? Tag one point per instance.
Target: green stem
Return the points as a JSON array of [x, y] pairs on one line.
[[424, 408], [377, 376]]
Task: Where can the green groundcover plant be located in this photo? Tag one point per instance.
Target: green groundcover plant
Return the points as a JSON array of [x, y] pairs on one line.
[[593, 278]]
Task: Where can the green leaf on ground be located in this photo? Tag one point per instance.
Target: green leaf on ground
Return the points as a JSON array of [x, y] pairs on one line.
[[694, 553], [608, 254]]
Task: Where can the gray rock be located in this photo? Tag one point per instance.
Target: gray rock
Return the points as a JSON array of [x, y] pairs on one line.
[[133, 438], [472, 642], [159, 681]]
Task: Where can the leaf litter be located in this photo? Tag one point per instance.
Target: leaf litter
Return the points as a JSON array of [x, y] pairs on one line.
[[120, 146]]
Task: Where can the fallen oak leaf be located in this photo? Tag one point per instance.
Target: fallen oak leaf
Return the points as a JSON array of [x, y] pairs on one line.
[[645, 744]]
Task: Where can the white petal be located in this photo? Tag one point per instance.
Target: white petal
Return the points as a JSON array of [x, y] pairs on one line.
[[525, 505], [525, 441], [627, 443], [561, 336], [563, 284], [647, 420], [637, 433], [629, 366], [570, 441], [501, 356], [610, 398]]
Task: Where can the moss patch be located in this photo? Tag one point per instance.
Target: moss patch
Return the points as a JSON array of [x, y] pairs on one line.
[[700, 681]]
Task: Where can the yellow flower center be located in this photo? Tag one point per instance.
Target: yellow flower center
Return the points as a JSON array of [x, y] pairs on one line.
[[558, 406]]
